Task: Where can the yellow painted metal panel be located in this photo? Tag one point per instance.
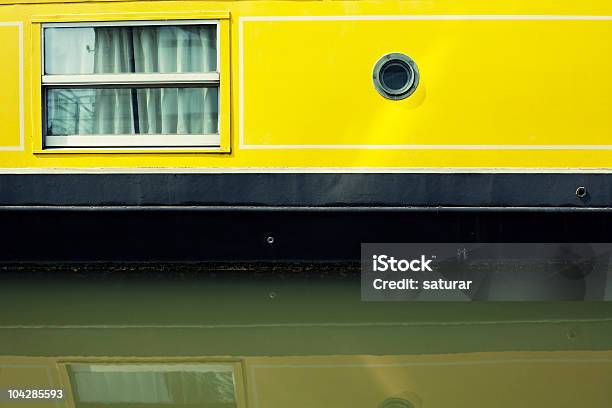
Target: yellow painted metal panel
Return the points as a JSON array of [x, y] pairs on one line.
[[10, 95], [526, 109], [483, 82]]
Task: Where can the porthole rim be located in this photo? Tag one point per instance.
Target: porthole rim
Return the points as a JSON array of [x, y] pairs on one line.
[[404, 91]]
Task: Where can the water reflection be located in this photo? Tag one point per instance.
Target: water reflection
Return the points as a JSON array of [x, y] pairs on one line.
[[123, 336], [136, 385]]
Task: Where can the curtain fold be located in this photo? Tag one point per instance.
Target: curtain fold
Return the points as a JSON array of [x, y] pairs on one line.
[[155, 49]]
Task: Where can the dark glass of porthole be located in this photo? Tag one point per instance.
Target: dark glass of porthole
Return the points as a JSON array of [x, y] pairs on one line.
[[395, 76]]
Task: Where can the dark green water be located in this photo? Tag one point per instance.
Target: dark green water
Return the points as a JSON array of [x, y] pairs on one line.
[[266, 310]]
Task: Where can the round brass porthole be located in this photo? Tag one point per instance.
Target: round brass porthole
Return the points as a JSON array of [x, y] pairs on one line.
[[395, 76]]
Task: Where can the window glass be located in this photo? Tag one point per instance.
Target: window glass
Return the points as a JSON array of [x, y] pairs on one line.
[[124, 111], [131, 49]]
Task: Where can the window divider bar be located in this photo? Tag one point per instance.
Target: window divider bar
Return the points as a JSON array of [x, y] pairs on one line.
[[209, 78]]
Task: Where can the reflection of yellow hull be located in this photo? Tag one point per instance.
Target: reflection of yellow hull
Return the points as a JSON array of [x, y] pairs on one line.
[[506, 379], [297, 341], [503, 84]]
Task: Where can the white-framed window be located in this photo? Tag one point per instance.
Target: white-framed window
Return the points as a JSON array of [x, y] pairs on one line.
[[131, 84]]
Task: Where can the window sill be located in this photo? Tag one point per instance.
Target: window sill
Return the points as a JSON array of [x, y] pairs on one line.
[[133, 144], [130, 150], [207, 141]]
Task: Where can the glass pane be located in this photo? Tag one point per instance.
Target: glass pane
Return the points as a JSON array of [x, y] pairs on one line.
[[149, 385], [121, 111], [137, 49]]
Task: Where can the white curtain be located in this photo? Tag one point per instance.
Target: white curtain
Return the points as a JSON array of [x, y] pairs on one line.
[[155, 49]]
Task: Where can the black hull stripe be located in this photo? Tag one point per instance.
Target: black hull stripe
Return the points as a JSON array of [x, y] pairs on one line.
[[308, 190]]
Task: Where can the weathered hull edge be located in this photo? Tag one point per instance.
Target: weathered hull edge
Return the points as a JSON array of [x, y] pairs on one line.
[[539, 190]]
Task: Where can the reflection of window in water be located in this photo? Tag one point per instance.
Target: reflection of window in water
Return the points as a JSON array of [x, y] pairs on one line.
[[152, 385]]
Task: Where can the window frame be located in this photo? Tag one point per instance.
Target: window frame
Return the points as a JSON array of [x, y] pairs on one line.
[[133, 143]]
